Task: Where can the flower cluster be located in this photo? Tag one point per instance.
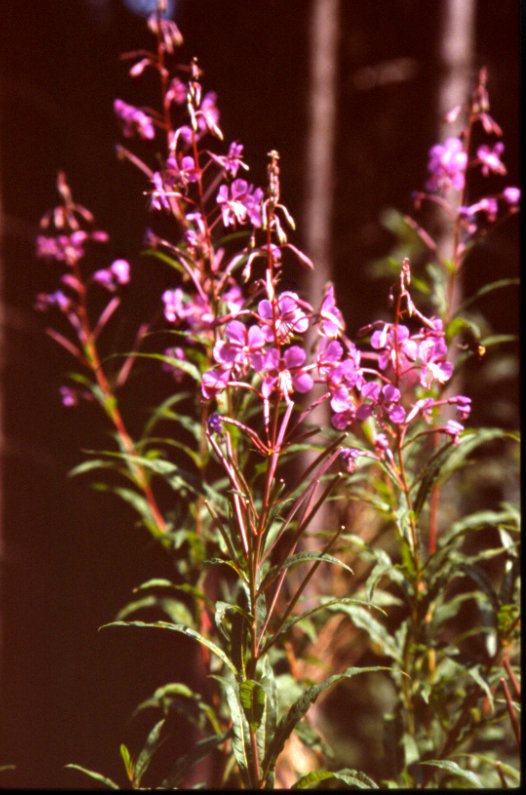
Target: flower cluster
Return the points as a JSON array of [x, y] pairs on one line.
[[449, 163], [268, 357]]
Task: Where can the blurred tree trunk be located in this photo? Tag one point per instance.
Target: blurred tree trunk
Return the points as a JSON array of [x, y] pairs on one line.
[[316, 238], [2, 446], [456, 60], [319, 175]]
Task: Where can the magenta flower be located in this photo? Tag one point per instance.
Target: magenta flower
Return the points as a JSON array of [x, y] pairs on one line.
[[453, 429], [329, 354], [490, 159], [182, 173], [489, 206], [59, 299], [176, 93], [349, 456], [511, 195], [399, 349], [331, 319], [240, 203], [234, 299], [68, 248], [290, 318], [447, 166], [207, 116], [134, 121], [117, 274], [215, 381], [180, 308], [240, 345], [288, 374], [432, 353], [177, 372], [69, 396], [233, 161], [174, 307]]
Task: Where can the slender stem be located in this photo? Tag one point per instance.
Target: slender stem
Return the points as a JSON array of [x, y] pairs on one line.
[[109, 402], [511, 711]]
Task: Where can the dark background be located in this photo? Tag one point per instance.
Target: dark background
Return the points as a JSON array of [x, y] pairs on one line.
[[72, 556]]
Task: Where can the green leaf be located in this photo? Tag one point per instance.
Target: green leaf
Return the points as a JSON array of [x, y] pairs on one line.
[[200, 750], [162, 257], [230, 563], [376, 631], [182, 364], [432, 472], [333, 605], [174, 609], [128, 762], [487, 288], [89, 466], [455, 770], [179, 698], [253, 699], [351, 778], [298, 559], [133, 498], [152, 744], [299, 708], [477, 520], [182, 630], [241, 737], [469, 441], [384, 568], [95, 776]]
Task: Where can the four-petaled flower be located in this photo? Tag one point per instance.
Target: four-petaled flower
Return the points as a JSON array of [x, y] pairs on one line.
[[447, 166], [240, 203], [283, 319]]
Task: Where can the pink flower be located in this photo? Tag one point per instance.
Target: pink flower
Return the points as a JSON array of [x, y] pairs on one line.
[[117, 274], [290, 318], [134, 121], [331, 319], [490, 159], [240, 345], [511, 195], [233, 161], [489, 206], [447, 166], [240, 203], [288, 374]]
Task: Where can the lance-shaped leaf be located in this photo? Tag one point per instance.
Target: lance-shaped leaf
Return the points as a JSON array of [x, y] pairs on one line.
[[241, 747], [182, 630], [253, 698], [98, 777], [153, 742], [298, 559], [299, 708], [351, 778], [454, 769], [200, 750]]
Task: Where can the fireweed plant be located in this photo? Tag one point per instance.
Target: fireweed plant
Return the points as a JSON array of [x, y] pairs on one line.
[[218, 476]]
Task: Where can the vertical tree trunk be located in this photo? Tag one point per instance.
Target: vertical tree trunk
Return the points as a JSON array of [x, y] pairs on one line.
[[319, 169], [2, 447], [456, 56]]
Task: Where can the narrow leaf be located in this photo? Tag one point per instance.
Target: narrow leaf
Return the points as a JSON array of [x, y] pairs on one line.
[[95, 776], [300, 707], [182, 630], [456, 770], [351, 778]]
